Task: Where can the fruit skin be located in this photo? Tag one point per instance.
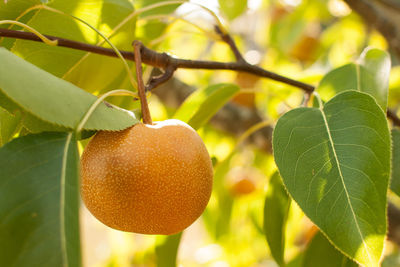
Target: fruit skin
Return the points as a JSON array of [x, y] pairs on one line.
[[149, 179]]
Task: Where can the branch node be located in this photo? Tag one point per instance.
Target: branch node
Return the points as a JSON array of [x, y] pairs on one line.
[[160, 79]]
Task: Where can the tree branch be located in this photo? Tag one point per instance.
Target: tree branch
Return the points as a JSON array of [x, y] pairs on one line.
[[170, 64], [163, 60], [393, 117], [380, 18], [391, 4], [394, 223], [156, 81]]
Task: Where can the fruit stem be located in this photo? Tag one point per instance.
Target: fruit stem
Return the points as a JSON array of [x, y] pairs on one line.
[[141, 89]]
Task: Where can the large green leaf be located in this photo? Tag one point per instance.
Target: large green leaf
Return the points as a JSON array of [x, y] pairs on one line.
[[54, 100], [39, 201], [395, 182], [335, 162], [369, 75], [276, 209], [321, 253], [167, 250], [200, 106]]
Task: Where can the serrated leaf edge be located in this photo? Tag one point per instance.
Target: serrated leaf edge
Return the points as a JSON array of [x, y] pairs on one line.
[[67, 128]]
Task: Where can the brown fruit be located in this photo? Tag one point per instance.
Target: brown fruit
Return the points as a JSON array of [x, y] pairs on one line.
[[305, 49], [243, 186], [278, 13], [245, 81], [242, 180], [245, 99], [149, 179]]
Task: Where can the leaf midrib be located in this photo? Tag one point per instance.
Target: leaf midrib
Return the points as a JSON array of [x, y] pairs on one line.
[[343, 183]]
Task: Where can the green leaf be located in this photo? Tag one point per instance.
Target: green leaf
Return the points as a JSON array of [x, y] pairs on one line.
[[218, 217], [276, 210], [54, 100], [224, 214], [150, 30], [30, 122], [335, 163], [39, 201], [233, 8], [200, 106], [9, 125], [297, 261], [370, 75], [395, 182], [321, 253], [167, 251]]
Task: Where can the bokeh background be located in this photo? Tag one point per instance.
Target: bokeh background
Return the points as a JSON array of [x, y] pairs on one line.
[[301, 39]]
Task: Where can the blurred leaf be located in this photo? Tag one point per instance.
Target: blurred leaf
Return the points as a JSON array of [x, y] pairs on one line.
[[200, 106], [9, 125], [218, 218], [167, 251], [297, 261], [395, 182], [321, 253], [392, 260], [152, 29], [225, 207], [159, 10], [39, 201], [276, 209], [256, 222], [233, 8], [12, 9], [54, 100], [369, 75], [321, 156]]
